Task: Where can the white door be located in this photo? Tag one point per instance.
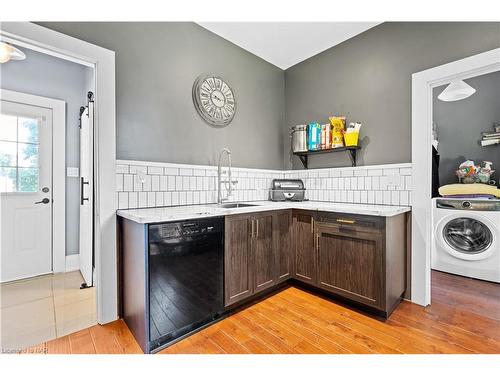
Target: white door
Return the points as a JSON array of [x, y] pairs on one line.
[[86, 193], [25, 190]]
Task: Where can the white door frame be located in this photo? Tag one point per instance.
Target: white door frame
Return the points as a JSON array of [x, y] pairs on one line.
[[29, 35], [58, 108], [421, 135]]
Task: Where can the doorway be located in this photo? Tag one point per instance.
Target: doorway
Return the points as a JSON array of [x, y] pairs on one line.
[[46, 257], [423, 84]]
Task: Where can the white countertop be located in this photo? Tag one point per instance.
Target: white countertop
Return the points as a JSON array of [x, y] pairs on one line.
[[178, 213]]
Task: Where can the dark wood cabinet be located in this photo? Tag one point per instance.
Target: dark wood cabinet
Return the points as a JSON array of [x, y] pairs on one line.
[[359, 257], [263, 252], [304, 250], [237, 259], [282, 227], [250, 255], [362, 258], [350, 263]]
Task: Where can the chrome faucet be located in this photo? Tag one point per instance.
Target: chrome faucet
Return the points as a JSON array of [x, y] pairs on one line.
[[229, 182]]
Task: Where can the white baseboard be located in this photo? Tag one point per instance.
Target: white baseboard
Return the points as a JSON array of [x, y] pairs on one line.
[[72, 262]]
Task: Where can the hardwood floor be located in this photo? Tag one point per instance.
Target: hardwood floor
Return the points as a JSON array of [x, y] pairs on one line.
[[464, 318]]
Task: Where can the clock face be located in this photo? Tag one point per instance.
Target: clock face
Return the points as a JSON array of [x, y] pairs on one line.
[[214, 100]]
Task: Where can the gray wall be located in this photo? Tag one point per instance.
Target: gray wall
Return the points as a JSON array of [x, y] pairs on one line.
[[459, 125], [368, 79], [48, 76], [156, 65]]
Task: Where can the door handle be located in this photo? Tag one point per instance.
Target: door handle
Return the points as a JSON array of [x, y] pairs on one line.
[[82, 183], [44, 201]]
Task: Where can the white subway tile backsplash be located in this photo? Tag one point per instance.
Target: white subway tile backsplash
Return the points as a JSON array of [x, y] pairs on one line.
[[171, 171], [358, 172], [134, 169], [143, 199], [374, 172], [361, 183], [371, 197], [163, 183], [155, 183], [146, 186], [395, 198], [128, 182], [167, 198], [159, 201], [151, 199], [119, 182], [173, 184], [192, 183], [403, 198], [387, 197], [391, 171], [155, 170], [132, 200], [334, 173], [122, 168], [122, 200], [347, 173], [175, 198]]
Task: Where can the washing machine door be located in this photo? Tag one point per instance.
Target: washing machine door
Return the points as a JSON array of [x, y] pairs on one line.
[[468, 237]]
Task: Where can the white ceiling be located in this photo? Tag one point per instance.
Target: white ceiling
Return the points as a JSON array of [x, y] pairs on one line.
[[285, 44]]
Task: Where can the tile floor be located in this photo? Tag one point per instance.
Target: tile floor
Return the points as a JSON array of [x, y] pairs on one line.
[[44, 308]]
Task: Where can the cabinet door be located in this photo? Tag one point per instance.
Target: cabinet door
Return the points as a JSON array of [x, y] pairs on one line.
[[305, 254], [283, 244], [350, 263], [237, 259], [264, 259]]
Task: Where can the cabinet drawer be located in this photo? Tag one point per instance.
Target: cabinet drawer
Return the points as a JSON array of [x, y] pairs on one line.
[[353, 223]]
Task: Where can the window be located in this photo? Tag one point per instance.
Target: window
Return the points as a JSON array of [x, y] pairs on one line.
[[18, 154]]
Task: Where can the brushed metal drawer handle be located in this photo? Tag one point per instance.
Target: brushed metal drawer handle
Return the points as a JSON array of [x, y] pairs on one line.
[[345, 221]]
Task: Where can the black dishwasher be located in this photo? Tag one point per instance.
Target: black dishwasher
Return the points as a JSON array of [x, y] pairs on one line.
[[186, 277]]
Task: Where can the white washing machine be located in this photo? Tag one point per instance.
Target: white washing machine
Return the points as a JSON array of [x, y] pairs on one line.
[[466, 237]]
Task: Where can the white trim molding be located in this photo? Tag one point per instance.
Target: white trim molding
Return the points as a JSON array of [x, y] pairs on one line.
[[72, 263], [422, 86], [102, 61], [58, 108]]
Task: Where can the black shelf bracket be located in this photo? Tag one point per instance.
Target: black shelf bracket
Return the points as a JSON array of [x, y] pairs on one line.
[[303, 159]]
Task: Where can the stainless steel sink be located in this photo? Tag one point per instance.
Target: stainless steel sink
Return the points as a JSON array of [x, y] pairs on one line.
[[235, 205]]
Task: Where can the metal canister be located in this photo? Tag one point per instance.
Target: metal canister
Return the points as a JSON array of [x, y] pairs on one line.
[[299, 138]]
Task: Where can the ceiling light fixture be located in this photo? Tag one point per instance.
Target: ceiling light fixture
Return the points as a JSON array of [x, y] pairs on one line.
[[457, 90], [9, 52]]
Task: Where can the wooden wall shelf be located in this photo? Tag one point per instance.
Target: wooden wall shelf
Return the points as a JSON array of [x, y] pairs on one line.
[[351, 151]]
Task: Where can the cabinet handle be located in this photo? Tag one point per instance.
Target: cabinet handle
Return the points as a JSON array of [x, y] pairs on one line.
[[312, 224], [345, 221], [256, 228], [252, 228], [317, 241]]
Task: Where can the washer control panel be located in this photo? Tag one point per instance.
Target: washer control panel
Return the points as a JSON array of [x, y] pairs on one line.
[[470, 205]]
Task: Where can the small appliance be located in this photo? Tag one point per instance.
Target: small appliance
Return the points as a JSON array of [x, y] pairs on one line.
[[287, 190]]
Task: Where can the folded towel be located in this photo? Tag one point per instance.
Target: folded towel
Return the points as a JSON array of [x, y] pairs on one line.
[[469, 189]]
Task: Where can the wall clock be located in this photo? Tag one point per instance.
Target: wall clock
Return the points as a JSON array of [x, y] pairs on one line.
[[214, 100]]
